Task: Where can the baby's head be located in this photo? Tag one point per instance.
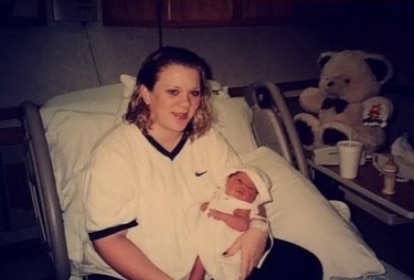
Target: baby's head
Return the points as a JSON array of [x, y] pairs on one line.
[[240, 186], [248, 184]]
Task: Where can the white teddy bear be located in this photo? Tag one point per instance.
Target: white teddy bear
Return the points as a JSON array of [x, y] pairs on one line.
[[346, 105]]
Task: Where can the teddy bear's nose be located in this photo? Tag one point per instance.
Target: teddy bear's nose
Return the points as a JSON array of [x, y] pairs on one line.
[[330, 84]]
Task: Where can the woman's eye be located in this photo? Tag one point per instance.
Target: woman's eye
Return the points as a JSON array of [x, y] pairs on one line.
[[196, 93], [173, 92]]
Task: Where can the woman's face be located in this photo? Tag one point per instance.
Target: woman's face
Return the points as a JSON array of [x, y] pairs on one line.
[[174, 100], [240, 186]]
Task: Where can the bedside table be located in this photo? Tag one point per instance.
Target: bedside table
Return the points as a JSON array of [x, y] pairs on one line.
[[365, 192]]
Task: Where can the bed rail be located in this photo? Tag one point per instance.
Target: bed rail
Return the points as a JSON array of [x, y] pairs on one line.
[[273, 124], [43, 189]]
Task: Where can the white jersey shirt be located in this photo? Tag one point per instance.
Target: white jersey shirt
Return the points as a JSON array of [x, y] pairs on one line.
[[133, 183]]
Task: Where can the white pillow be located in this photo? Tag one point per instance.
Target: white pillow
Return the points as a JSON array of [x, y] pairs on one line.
[[301, 215], [128, 87], [71, 137], [233, 116], [103, 99], [74, 222], [234, 120]]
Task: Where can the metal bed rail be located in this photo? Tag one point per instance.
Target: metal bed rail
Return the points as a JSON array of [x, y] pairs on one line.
[[273, 123], [43, 190]]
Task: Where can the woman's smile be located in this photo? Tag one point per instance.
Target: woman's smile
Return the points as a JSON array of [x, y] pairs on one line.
[[181, 116]]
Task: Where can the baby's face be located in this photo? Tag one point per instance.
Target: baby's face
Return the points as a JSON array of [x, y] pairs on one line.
[[240, 186]]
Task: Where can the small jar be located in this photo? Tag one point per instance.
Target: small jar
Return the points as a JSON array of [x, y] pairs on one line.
[[390, 169]]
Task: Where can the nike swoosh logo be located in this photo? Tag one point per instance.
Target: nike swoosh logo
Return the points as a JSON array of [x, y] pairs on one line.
[[198, 174]]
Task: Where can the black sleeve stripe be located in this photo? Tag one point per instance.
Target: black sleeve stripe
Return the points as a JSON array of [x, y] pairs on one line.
[[108, 231]]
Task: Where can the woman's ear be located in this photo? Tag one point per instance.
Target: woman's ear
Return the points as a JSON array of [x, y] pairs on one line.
[[144, 93]]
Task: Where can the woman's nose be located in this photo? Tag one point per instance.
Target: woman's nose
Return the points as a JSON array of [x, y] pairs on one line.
[[185, 101]]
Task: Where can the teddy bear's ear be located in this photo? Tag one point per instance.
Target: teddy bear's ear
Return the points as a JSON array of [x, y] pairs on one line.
[[324, 58], [380, 66]]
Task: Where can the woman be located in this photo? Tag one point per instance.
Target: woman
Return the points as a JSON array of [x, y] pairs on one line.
[[147, 174]]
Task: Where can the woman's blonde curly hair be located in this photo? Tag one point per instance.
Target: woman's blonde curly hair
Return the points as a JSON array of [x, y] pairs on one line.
[[138, 111]]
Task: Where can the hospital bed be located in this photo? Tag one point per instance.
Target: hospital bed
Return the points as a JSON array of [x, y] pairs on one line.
[[256, 121]]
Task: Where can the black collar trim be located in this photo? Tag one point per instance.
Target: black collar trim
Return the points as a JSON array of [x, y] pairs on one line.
[[171, 155]]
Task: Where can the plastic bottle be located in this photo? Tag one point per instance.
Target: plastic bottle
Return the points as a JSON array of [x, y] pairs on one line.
[[390, 169]]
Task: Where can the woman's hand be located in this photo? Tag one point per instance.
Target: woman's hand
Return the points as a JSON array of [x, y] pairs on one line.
[[251, 244]]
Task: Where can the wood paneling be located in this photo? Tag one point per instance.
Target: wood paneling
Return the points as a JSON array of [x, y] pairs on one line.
[[194, 13]]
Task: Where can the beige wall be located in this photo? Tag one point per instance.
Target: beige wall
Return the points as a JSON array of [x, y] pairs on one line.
[[39, 62]]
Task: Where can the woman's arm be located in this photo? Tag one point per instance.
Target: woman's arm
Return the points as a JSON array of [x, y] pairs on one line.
[[126, 258], [252, 245], [252, 242]]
